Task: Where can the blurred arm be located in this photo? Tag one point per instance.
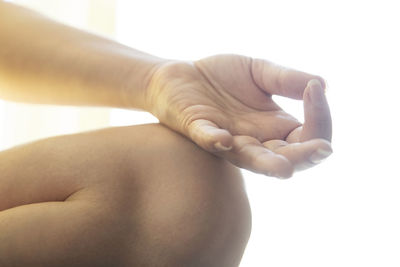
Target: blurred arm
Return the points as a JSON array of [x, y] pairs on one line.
[[42, 61]]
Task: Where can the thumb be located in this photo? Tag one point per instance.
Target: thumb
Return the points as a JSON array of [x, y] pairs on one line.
[[317, 117], [209, 136]]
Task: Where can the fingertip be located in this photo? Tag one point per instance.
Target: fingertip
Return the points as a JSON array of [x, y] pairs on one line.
[[283, 167], [223, 141], [322, 81], [316, 80], [315, 93], [320, 154], [221, 147], [314, 83], [286, 173], [317, 118], [210, 137], [323, 143]]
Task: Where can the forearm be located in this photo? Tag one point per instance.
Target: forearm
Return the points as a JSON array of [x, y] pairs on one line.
[[42, 61]]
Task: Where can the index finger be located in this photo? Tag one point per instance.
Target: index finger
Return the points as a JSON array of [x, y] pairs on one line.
[[278, 80]]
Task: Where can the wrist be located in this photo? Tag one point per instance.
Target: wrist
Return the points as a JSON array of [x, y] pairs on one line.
[[134, 93], [155, 83]]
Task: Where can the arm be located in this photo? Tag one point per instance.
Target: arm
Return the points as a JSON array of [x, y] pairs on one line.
[[42, 61], [222, 103]]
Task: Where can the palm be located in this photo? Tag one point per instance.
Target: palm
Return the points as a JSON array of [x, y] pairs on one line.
[[247, 109], [221, 100]]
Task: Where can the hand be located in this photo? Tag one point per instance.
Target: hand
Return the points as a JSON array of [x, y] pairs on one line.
[[224, 104]]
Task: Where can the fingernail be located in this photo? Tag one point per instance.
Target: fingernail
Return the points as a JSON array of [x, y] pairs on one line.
[[281, 177], [221, 147], [323, 82], [319, 155]]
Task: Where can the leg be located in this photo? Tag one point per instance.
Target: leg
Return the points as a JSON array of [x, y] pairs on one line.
[[130, 196]]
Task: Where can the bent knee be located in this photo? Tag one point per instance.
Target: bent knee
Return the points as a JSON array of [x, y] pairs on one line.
[[181, 205], [191, 206]]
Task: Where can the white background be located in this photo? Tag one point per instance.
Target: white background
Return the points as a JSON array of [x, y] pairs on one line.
[[344, 212]]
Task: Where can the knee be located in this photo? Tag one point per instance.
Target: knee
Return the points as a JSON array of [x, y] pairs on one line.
[[192, 206]]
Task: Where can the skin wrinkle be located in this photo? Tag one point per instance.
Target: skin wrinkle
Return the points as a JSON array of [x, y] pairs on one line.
[[256, 80], [188, 121], [250, 70], [220, 91], [223, 94], [182, 111], [126, 93], [251, 67], [279, 80]]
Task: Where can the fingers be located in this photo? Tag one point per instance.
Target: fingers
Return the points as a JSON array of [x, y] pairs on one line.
[[302, 155], [209, 136], [278, 80], [249, 153], [315, 134], [243, 151], [294, 136], [317, 117]]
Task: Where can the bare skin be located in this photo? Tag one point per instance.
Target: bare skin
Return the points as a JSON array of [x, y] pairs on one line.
[[235, 109], [145, 195], [94, 199], [222, 103]]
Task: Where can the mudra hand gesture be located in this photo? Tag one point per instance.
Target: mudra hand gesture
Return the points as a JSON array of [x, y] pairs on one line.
[[224, 104]]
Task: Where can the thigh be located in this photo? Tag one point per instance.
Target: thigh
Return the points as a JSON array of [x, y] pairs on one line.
[[60, 234], [129, 196]]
